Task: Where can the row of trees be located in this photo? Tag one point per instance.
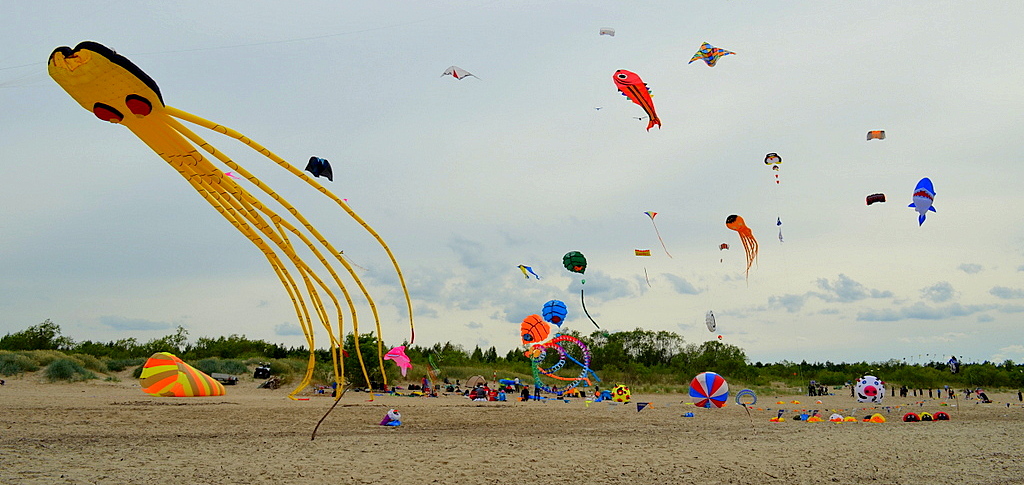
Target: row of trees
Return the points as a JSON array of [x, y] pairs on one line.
[[637, 356]]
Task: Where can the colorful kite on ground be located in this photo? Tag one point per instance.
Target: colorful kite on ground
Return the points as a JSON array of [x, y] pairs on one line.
[[874, 198], [526, 269], [555, 312], [634, 88], [876, 135], [736, 223], [651, 214], [565, 346], [710, 54], [320, 167], [869, 389], [115, 90], [536, 334], [168, 376], [924, 196], [457, 73], [746, 397], [709, 389]]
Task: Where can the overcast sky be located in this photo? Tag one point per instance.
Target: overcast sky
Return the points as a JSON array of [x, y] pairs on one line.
[[466, 179]]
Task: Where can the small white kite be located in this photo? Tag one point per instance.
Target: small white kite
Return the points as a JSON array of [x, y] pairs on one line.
[[457, 72]]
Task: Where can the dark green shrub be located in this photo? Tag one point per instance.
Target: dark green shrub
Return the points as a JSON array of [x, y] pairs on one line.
[[67, 370]]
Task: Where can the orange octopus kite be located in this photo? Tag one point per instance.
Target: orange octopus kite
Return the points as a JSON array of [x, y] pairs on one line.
[[736, 223]]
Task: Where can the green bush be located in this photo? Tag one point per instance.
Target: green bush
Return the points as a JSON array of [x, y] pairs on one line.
[[15, 363], [43, 358], [67, 370], [90, 362], [137, 372], [224, 366], [118, 365]]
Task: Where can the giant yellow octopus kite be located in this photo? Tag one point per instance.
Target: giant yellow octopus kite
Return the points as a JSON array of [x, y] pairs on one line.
[[116, 90]]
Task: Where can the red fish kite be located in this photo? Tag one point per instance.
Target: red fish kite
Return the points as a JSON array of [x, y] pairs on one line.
[[634, 88]]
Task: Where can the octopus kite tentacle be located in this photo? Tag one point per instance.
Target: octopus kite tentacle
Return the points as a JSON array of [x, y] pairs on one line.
[[309, 180]]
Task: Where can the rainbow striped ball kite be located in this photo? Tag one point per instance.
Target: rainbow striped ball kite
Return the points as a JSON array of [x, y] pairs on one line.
[[709, 389]]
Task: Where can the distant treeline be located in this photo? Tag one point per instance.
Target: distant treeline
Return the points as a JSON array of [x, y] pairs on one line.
[[636, 357]]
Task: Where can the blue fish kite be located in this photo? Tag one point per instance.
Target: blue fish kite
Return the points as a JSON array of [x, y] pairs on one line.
[[924, 197], [524, 269]]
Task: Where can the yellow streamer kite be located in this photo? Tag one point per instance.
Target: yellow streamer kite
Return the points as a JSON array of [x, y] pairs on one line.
[[116, 90], [166, 375]]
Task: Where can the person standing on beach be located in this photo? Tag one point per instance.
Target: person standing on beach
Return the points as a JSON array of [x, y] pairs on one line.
[[1020, 395], [536, 392]]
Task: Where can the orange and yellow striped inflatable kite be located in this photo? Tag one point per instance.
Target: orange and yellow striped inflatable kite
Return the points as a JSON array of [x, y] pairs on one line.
[[166, 375]]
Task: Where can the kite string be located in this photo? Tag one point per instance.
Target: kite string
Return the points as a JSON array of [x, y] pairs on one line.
[[337, 399], [659, 237], [584, 303]]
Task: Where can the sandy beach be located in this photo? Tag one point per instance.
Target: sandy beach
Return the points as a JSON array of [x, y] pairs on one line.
[[111, 432]]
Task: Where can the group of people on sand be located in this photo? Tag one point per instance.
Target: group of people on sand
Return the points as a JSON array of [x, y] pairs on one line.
[[483, 393]]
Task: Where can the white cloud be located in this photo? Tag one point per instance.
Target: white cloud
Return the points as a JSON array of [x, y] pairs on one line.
[[1006, 293], [922, 311], [287, 329], [970, 268], [1010, 352], [122, 323], [939, 292]]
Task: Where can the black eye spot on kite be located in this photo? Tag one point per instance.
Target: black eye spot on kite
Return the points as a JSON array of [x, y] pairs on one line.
[[622, 76], [107, 113], [138, 105]]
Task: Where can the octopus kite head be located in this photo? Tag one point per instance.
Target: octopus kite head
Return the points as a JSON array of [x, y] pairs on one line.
[[734, 222], [104, 82]]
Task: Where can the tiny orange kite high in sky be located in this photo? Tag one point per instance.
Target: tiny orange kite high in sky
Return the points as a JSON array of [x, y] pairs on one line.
[[634, 88], [876, 135], [736, 223]]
